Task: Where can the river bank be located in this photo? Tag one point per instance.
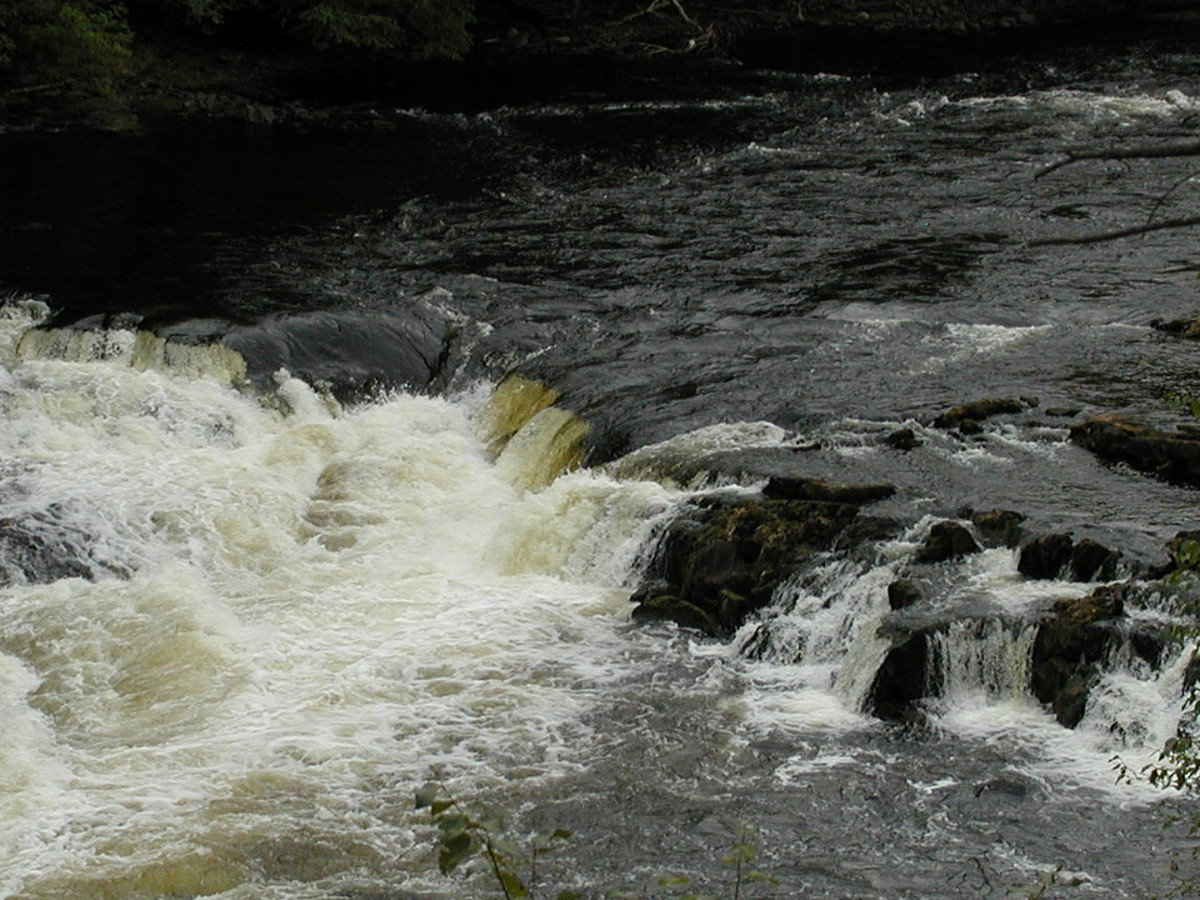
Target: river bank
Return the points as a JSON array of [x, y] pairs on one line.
[[536, 51]]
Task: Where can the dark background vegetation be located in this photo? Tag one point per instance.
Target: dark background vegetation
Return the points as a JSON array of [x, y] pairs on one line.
[[107, 47]]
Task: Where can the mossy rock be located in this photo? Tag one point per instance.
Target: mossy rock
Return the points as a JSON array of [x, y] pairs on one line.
[[1171, 456], [726, 561]]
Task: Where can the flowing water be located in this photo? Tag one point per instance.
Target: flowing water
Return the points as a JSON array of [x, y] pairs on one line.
[[274, 550]]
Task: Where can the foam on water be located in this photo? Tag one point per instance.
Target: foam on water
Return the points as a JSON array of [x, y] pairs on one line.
[[321, 606], [1093, 105], [295, 612]]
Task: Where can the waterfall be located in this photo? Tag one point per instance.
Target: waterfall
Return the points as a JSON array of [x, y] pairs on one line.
[[987, 659], [280, 615]]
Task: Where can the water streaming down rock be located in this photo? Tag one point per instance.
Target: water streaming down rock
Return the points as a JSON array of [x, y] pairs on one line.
[[240, 621], [286, 612], [319, 606]]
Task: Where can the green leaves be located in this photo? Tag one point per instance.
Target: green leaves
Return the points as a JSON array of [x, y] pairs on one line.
[[461, 837], [455, 848], [84, 42]]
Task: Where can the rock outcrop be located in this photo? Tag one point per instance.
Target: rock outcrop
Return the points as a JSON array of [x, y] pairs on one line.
[[1058, 556], [1171, 456], [999, 527], [1072, 642], [946, 540], [722, 562], [977, 411]]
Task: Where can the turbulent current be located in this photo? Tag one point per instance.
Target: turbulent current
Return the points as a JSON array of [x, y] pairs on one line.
[[330, 463]]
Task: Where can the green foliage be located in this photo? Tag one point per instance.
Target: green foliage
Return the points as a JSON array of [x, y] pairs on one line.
[[87, 42], [1044, 882], [84, 42], [741, 854], [462, 837], [1186, 401], [434, 27]]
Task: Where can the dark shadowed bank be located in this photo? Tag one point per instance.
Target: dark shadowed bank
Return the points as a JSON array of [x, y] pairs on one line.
[[156, 70]]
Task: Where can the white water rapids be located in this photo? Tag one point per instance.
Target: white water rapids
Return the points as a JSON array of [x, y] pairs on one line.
[[323, 607], [295, 613]]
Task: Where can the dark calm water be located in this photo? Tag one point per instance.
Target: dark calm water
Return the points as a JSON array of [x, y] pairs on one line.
[[300, 609]]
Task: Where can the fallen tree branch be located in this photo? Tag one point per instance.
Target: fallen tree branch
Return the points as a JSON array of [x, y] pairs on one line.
[[705, 34], [1097, 238], [34, 89], [1151, 151]]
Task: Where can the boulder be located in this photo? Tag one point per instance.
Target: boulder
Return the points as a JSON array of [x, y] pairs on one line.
[[902, 679], [1091, 561], [946, 540], [1171, 456], [1073, 640], [1057, 556], [669, 608], [903, 593], [903, 439], [825, 491], [979, 410], [999, 527], [720, 563], [1046, 556]]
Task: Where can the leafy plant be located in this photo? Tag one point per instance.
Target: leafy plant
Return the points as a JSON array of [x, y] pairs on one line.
[[461, 836], [739, 857], [84, 42]]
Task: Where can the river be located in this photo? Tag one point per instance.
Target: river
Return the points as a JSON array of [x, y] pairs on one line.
[[265, 568]]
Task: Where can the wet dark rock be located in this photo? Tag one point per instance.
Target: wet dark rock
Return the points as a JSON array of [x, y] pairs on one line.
[[1091, 561], [946, 540], [903, 593], [999, 527], [868, 530], [1188, 327], [1062, 412], [1171, 456], [979, 410], [1046, 556], [825, 492], [38, 552], [1073, 640], [902, 679], [715, 567], [970, 427], [1191, 674], [1009, 787], [904, 440], [669, 608], [1150, 643]]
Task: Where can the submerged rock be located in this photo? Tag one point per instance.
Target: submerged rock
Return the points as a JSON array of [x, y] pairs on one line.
[[40, 551], [825, 491], [903, 593], [903, 439], [1188, 327], [947, 540], [1046, 556], [1171, 456], [978, 410], [999, 527]]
